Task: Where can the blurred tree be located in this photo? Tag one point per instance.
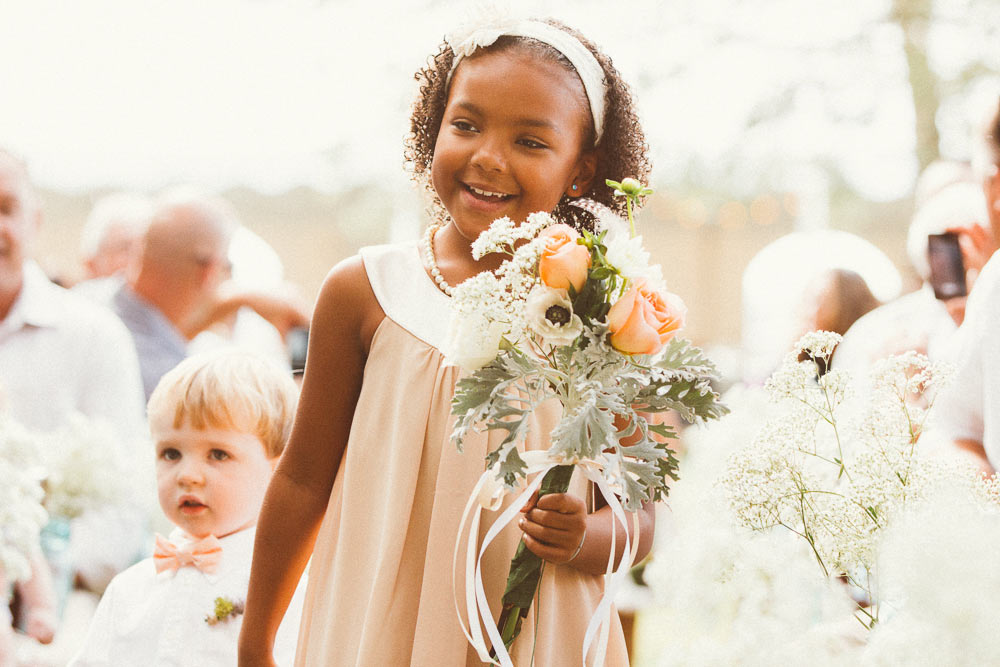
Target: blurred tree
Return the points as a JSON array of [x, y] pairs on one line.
[[748, 93]]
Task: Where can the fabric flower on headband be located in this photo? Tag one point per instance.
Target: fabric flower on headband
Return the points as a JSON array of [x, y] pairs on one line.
[[467, 39]]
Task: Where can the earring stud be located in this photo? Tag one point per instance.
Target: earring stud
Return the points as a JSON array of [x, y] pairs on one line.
[[575, 188]]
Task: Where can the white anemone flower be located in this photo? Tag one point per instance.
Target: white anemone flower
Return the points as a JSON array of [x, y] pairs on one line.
[[549, 313]]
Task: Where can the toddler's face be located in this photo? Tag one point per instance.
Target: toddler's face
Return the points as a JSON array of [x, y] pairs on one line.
[[211, 481]]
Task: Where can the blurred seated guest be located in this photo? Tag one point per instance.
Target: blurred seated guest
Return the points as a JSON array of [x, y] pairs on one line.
[[835, 301], [916, 321], [112, 235], [968, 409], [59, 355], [177, 288], [181, 263]]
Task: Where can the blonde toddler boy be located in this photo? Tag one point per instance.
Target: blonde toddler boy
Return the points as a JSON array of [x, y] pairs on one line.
[[219, 423]]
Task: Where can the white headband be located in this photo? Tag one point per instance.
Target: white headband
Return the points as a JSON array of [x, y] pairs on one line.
[[466, 43]]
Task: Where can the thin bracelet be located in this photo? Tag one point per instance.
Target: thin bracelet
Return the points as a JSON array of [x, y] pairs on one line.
[[579, 546]]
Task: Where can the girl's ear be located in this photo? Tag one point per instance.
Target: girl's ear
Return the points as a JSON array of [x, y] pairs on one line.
[[583, 175]]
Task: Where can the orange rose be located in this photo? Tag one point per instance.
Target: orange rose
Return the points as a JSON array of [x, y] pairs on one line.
[[643, 320], [563, 262]]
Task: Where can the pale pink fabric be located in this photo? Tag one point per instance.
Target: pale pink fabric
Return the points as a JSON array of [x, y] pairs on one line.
[[381, 585]]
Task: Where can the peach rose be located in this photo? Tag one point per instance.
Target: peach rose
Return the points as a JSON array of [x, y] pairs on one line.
[[563, 262], [643, 320]]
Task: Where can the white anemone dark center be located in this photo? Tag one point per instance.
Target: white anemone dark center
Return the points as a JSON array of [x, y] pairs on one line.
[[558, 315]]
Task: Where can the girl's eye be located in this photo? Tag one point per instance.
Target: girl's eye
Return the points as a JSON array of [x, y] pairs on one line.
[[463, 126], [170, 454], [218, 455], [531, 143]]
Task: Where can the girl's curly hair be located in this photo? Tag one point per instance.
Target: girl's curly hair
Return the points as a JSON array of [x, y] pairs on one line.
[[621, 152]]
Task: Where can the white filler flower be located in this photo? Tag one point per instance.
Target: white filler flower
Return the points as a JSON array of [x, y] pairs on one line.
[[549, 313], [631, 259], [473, 340]]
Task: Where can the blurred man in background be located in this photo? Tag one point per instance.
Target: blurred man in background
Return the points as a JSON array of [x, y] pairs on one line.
[[58, 352], [112, 235], [61, 355], [181, 263]]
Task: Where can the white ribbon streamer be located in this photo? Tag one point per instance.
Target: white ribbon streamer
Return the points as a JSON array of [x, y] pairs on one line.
[[488, 493]]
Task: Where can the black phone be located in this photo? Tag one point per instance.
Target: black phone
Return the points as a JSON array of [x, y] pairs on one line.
[[947, 268], [298, 343]]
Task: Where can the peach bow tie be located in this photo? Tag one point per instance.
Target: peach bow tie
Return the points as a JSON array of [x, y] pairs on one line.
[[204, 554]]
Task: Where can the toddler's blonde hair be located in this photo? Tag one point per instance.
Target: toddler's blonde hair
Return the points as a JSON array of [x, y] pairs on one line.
[[232, 390]]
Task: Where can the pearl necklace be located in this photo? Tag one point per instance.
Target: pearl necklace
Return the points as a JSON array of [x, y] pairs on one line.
[[428, 244]]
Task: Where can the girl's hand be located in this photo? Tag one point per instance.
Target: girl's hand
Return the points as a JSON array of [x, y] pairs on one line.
[[554, 526]]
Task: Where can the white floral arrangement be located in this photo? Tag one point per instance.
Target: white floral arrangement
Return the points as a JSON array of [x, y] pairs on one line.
[[582, 318], [22, 515], [84, 470], [743, 580], [838, 469]]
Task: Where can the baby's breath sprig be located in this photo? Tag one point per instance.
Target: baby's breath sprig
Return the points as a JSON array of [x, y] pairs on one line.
[[224, 610], [632, 190]]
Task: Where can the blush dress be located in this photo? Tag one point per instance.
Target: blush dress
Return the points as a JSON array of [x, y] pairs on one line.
[[381, 588]]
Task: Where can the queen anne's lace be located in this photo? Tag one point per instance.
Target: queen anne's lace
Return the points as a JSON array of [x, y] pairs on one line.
[[837, 468]]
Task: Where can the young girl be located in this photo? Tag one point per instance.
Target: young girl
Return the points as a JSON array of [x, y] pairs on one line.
[[504, 126]]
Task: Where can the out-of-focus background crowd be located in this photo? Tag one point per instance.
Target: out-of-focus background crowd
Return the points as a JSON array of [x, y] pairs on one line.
[[197, 168]]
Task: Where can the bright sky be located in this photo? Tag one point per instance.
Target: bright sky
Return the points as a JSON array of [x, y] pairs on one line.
[[273, 95]]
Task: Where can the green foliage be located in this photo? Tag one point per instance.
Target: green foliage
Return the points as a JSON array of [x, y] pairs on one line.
[[595, 385]]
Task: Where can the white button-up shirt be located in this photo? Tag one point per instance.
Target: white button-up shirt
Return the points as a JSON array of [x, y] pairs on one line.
[[158, 620], [969, 407], [60, 353]]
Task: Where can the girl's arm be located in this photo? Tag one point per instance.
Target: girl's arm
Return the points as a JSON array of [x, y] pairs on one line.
[[343, 323]]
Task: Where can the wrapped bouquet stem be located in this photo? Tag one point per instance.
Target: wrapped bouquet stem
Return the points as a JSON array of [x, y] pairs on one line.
[[526, 567], [585, 319]]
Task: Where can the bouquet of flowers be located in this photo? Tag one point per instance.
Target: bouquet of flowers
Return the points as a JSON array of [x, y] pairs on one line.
[[585, 319], [21, 512]]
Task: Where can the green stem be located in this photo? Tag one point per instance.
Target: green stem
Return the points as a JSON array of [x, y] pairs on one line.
[[631, 221]]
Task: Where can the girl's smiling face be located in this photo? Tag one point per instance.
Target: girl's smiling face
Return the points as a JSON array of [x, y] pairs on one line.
[[512, 139], [211, 481]]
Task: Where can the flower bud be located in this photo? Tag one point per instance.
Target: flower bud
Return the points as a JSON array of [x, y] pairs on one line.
[[631, 187]]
